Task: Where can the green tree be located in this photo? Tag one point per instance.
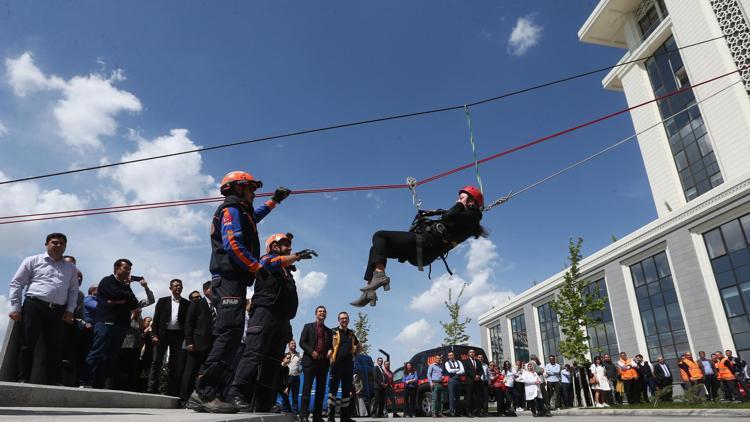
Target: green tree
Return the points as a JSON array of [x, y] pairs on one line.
[[361, 330], [455, 330], [574, 307]]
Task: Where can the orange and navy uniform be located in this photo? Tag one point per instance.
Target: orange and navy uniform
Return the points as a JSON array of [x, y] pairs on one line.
[[277, 291], [234, 239], [232, 236], [277, 263]]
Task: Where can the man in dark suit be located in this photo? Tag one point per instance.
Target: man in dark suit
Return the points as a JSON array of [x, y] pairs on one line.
[[199, 325], [168, 331], [316, 341], [645, 377], [380, 385], [662, 375], [474, 376]]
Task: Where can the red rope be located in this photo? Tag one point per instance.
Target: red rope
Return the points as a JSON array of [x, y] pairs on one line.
[[23, 218]]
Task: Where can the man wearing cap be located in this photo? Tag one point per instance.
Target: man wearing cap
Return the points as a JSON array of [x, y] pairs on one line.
[[235, 253]]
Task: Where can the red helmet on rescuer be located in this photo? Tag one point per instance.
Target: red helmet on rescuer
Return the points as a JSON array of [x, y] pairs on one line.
[[276, 238], [474, 193], [238, 177]]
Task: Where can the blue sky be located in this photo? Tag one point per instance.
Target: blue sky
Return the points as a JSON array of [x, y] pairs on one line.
[[89, 82]]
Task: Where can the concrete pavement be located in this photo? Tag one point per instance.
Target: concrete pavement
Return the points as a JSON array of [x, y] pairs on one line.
[[175, 415]]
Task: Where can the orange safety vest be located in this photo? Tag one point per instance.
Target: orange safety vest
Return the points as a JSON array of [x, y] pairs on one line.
[[693, 368], [628, 374], [724, 372]]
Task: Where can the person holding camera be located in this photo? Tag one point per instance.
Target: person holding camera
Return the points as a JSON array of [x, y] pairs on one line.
[[115, 302]]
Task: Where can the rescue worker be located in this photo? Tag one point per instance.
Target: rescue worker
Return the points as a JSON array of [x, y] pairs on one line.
[[726, 377], [629, 375], [690, 372], [235, 249], [426, 241], [345, 347], [268, 329]]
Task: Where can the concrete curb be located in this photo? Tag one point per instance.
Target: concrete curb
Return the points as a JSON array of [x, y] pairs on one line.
[[35, 395], [703, 413]]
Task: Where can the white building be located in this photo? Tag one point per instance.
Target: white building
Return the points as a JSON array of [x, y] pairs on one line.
[[681, 282]]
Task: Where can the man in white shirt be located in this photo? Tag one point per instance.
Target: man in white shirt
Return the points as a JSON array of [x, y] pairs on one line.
[[51, 294], [295, 369], [454, 368], [552, 374]]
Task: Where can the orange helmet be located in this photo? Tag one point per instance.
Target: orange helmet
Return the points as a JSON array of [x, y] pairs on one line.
[[276, 238], [238, 177], [474, 193]]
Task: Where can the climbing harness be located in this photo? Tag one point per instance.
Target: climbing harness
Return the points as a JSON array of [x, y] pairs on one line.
[[421, 225]]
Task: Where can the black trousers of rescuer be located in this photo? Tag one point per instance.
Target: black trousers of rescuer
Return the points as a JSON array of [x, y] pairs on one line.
[[400, 245], [267, 335], [317, 372], [341, 373], [228, 298], [39, 319]]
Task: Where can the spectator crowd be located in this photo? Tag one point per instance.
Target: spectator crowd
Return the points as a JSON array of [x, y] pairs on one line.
[[101, 340]]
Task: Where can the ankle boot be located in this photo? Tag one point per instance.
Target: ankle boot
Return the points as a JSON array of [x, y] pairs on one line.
[[378, 279], [364, 299]]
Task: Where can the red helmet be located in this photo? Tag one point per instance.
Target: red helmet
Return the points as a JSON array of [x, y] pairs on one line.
[[276, 238], [238, 177], [475, 193]]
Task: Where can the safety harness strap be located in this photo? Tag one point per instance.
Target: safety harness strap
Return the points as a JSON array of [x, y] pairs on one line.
[[420, 266]]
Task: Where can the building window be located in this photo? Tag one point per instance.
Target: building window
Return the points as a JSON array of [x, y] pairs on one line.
[[660, 311], [496, 345], [691, 147], [550, 330], [520, 341], [649, 15], [602, 339], [730, 259]]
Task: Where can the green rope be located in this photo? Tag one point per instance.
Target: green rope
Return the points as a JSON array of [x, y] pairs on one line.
[[473, 148]]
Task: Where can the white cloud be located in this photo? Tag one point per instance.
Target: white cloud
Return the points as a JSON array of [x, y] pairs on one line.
[[526, 34], [88, 105], [480, 294], [3, 129], [26, 78], [311, 285], [28, 198], [416, 336], [170, 179]]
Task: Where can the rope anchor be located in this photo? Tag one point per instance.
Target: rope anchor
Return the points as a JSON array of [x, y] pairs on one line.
[[499, 201], [411, 182]]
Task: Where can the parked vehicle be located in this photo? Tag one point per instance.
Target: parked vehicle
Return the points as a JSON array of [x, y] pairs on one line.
[[421, 361]]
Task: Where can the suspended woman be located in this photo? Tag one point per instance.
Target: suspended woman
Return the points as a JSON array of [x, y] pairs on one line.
[[426, 241]]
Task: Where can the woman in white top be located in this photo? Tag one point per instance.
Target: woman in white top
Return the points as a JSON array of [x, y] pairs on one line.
[[599, 382], [534, 398]]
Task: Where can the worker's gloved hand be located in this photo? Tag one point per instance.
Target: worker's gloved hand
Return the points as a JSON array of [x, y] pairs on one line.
[[306, 254], [280, 194]]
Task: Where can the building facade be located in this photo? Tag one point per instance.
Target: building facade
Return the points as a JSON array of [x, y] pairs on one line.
[[682, 282]]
